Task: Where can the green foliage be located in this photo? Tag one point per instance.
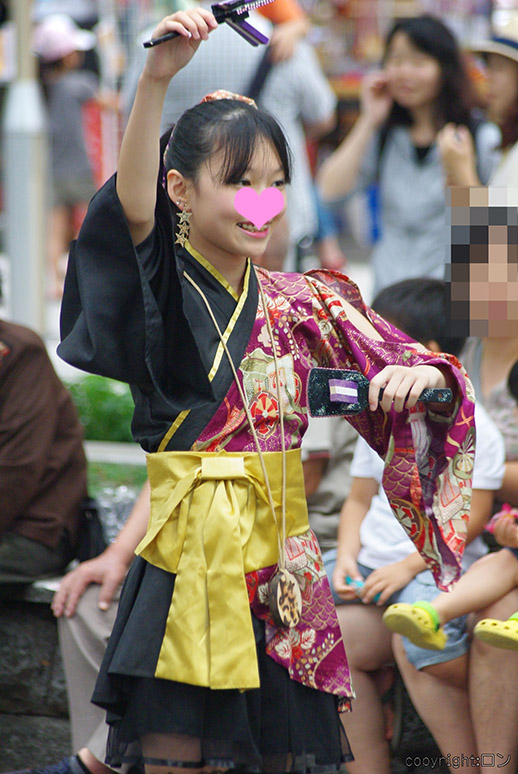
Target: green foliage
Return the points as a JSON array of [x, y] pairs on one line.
[[105, 408], [103, 475]]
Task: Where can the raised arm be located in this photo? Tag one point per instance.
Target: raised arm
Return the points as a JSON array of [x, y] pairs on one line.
[[139, 158], [339, 172], [458, 156]]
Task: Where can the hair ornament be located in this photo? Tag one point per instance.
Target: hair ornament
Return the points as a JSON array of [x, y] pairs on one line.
[[223, 94]]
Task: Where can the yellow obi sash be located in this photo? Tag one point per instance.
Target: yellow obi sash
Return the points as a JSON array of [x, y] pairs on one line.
[[210, 524]]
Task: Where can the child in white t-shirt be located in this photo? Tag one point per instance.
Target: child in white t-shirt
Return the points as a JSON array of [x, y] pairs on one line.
[[387, 557]]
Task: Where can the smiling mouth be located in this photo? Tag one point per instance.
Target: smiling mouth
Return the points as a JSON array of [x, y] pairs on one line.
[[249, 227]]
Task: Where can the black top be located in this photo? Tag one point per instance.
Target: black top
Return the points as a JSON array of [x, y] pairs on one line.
[[421, 152], [128, 313]]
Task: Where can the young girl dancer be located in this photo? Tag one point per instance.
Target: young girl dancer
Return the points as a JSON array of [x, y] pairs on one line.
[[200, 672]]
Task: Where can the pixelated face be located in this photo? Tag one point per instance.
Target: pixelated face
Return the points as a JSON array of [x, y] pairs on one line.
[[414, 77], [484, 261], [502, 86]]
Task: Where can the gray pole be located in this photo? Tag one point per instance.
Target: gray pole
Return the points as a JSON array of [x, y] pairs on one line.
[[25, 156]]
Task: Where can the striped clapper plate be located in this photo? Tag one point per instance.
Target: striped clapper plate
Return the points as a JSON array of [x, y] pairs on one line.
[[333, 392]]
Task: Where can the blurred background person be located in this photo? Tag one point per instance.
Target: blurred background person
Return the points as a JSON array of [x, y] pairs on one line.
[[42, 463], [422, 87], [59, 44], [456, 146], [492, 364], [374, 548]]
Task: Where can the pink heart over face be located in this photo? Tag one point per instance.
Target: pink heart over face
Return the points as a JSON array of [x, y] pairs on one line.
[[259, 208]]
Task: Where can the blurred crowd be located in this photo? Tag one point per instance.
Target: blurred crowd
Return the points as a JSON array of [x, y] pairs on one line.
[[427, 171], [90, 62]]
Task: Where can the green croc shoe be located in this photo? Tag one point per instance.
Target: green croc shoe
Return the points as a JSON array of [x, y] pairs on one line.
[[500, 634], [419, 622]]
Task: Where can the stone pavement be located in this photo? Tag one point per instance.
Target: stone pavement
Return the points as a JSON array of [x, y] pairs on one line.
[[33, 704], [118, 453]]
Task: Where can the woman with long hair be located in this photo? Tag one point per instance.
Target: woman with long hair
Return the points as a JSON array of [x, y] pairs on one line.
[[422, 87]]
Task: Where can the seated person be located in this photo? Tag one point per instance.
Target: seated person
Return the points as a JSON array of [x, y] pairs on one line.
[[375, 552], [42, 462]]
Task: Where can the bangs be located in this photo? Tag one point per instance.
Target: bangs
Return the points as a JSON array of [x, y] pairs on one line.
[[237, 138], [230, 129]]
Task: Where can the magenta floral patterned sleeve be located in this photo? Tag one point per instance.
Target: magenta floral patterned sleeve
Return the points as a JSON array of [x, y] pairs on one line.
[[428, 457]]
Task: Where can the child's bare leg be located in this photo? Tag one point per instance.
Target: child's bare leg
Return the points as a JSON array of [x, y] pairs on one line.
[[489, 579], [486, 581], [368, 648]]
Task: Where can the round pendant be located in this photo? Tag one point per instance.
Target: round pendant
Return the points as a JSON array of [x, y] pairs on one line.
[[284, 599]]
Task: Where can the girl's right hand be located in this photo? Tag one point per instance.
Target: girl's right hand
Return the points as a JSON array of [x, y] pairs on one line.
[[166, 59], [345, 566], [376, 101]]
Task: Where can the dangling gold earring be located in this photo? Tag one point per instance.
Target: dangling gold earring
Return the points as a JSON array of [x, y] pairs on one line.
[[182, 235]]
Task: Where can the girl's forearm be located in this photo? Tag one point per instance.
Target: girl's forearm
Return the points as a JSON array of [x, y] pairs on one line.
[[353, 513], [139, 157], [135, 528]]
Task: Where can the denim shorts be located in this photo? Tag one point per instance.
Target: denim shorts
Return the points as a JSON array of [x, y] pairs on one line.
[[422, 587]]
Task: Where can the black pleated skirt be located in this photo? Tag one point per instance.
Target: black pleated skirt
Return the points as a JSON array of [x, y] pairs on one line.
[[283, 726]]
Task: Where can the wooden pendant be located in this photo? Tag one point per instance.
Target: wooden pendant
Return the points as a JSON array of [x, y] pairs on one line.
[[284, 599]]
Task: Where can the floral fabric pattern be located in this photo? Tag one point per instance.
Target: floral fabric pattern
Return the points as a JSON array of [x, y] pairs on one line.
[[428, 457], [313, 651]]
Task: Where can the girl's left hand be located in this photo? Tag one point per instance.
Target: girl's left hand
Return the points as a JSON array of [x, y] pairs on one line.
[[403, 385], [385, 581]]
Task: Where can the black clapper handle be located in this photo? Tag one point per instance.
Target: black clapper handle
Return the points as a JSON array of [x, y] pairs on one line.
[[161, 39]]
